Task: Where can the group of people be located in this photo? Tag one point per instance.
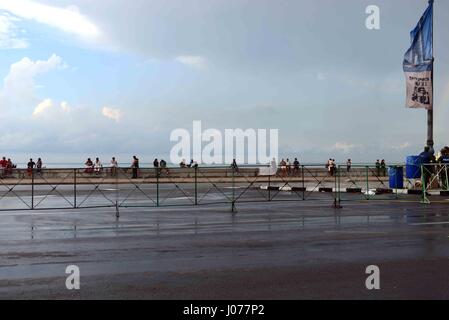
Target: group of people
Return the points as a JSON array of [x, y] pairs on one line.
[[6, 167], [381, 168], [191, 164], [331, 165], [287, 168], [31, 165], [97, 166], [432, 163]]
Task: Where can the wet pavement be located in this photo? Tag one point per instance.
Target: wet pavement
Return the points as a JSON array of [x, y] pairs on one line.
[[276, 250]]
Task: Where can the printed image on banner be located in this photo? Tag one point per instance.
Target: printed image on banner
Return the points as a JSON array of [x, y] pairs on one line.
[[418, 63], [419, 89]]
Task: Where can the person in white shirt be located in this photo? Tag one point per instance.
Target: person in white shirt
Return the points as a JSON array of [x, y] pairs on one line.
[[274, 166], [114, 166], [97, 166]]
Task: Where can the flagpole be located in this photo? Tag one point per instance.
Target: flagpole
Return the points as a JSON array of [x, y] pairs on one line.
[[430, 141]]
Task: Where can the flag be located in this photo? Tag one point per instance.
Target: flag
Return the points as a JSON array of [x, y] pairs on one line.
[[418, 63]]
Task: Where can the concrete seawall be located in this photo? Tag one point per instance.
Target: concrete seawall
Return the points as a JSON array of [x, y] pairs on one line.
[[181, 175]]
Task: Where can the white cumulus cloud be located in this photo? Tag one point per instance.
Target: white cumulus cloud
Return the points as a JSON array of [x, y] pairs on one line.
[[112, 113], [19, 84], [42, 107]]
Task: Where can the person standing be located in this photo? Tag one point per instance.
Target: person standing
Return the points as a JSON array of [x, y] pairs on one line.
[[39, 165], [444, 161], [348, 166], [333, 167], [135, 167], [234, 166], [114, 166], [328, 166], [273, 167], [383, 168], [288, 166], [30, 167], [426, 157], [378, 167], [296, 167]]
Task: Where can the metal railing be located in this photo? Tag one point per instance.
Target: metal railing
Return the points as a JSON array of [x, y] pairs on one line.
[[434, 181], [22, 189]]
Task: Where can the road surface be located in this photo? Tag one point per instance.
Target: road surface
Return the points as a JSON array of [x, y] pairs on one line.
[[278, 250]]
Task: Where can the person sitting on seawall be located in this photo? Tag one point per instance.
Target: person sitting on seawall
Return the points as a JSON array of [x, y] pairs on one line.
[[3, 163], [192, 164], [9, 167], [98, 166], [114, 166], [183, 164], [283, 166], [89, 166], [164, 168]]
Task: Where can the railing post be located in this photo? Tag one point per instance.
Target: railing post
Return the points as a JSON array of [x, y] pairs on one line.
[[423, 183], [157, 187], [367, 182], [74, 188], [32, 188], [115, 171], [233, 190], [447, 180], [196, 185], [303, 183], [397, 180], [269, 185]]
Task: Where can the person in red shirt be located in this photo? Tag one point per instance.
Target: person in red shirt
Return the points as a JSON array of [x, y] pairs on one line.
[[3, 163]]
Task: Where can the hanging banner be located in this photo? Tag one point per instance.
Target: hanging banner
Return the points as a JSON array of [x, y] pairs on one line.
[[418, 63], [419, 89]]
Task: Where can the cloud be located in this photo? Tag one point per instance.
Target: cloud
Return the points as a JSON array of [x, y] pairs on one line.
[[66, 19], [42, 107], [192, 61], [47, 107], [9, 35], [19, 84], [344, 147], [111, 113], [402, 146]]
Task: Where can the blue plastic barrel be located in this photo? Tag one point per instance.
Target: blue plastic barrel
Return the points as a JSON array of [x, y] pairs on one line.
[[413, 167], [396, 177]]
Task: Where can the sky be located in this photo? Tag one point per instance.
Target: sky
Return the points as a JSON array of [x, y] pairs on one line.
[[87, 78]]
